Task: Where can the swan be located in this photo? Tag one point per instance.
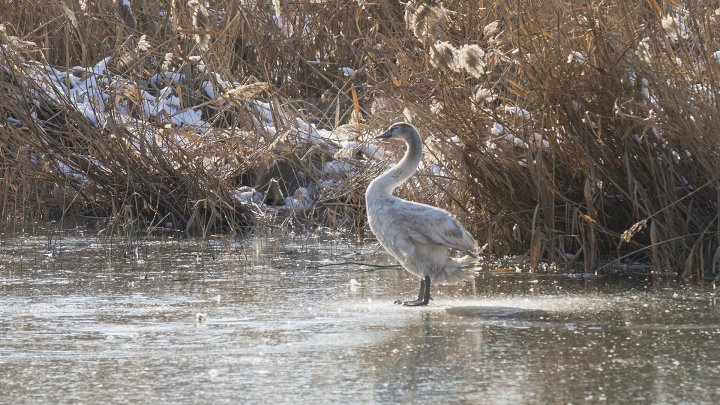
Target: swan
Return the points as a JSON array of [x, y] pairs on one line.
[[418, 236]]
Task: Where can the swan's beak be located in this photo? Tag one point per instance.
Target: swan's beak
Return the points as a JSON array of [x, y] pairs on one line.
[[385, 135]]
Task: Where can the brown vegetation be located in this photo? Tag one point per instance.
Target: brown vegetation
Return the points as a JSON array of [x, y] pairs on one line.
[[569, 130]]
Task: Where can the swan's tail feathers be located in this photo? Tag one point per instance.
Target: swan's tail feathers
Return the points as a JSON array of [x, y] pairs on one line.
[[454, 275], [468, 260], [471, 257], [457, 271], [482, 249], [477, 252]]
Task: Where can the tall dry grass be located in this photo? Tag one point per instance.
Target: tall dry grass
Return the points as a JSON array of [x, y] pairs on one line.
[[615, 150], [177, 178], [573, 131]]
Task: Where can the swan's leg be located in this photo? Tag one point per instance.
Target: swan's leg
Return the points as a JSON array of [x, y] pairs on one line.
[[423, 295]]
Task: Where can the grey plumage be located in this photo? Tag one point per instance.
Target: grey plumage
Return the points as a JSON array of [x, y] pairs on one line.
[[419, 236]]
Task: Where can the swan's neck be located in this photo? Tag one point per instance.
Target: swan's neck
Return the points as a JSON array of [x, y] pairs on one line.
[[384, 184]]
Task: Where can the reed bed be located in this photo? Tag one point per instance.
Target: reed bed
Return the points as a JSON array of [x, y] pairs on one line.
[[575, 132]]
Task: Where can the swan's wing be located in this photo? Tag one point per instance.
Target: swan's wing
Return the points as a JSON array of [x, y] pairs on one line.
[[426, 224]]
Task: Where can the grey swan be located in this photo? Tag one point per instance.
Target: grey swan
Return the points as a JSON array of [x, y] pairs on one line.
[[419, 236]]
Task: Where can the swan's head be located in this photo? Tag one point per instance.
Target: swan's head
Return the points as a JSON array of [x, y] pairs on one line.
[[401, 131]]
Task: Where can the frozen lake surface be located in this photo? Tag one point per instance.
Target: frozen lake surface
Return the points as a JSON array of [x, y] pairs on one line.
[[278, 321]]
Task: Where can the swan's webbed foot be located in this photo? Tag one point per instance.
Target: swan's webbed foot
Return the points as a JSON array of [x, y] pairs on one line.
[[414, 303], [423, 295]]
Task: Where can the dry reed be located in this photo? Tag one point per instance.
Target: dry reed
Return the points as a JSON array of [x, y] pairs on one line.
[[572, 131]]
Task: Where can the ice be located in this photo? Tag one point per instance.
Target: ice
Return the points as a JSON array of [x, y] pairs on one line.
[[208, 89], [539, 140], [95, 117], [518, 111], [498, 129], [101, 67], [331, 136], [190, 116], [300, 201], [577, 57], [373, 151], [347, 71], [248, 195], [167, 77], [338, 167], [516, 141], [306, 131], [349, 144], [263, 110], [71, 173], [200, 64]]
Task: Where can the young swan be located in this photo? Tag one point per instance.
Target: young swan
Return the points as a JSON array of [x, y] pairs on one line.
[[419, 236]]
